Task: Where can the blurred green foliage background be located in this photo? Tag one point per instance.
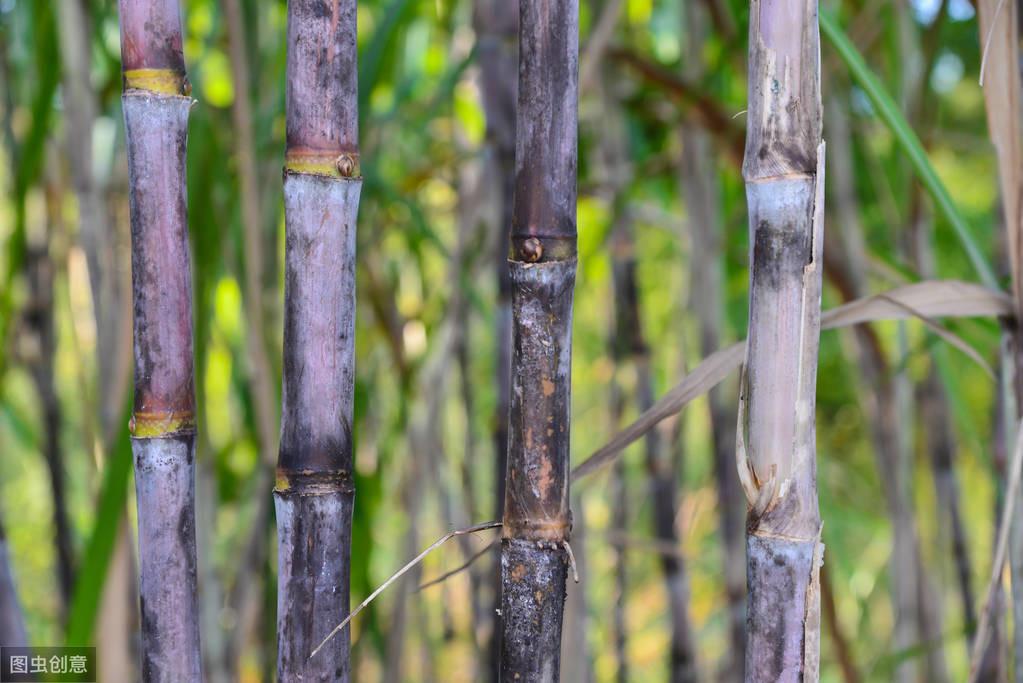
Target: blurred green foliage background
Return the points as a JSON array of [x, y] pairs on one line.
[[427, 227]]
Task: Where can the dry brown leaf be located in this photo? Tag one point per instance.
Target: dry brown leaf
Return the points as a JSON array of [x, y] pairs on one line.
[[708, 374], [932, 298], [950, 337], [925, 300], [999, 35]]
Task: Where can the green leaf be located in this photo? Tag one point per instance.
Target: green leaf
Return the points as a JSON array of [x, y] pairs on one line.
[[29, 154], [100, 547], [909, 142]]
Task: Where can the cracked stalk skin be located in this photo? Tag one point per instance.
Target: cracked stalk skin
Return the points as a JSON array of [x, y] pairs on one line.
[[315, 496], [784, 173], [163, 431], [542, 263]]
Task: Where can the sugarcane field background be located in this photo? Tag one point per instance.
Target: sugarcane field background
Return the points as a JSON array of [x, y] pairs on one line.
[[684, 335]]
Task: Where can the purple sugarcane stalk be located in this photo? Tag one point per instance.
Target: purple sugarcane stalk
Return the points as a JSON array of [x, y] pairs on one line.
[[315, 494], [156, 105]]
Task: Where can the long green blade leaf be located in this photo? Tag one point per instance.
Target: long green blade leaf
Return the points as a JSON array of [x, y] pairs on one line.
[[910, 143], [100, 547]]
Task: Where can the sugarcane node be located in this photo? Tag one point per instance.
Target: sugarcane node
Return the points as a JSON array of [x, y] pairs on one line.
[[543, 531], [326, 164], [532, 247], [158, 424], [157, 81], [313, 482]]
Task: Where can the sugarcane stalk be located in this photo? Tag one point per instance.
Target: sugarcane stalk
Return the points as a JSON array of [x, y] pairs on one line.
[[783, 170], [542, 262], [314, 496], [156, 106]]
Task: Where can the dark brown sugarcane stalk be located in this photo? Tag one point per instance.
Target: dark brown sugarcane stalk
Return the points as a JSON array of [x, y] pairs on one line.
[[846, 270], [783, 170], [625, 340], [700, 190], [315, 493], [156, 106], [542, 259], [629, 346], [662, 471], [245, 596], [497, 24], [39, 325]]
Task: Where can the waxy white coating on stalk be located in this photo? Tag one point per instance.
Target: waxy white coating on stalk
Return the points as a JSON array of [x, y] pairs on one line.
[[165, 488]]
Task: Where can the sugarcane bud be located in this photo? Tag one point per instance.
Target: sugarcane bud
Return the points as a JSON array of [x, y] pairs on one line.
[[532, 250], [346, 166]]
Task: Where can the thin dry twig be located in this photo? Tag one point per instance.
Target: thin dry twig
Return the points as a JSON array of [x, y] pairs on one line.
[[457, 570], [980, 641], [486, 526], [600, 36]]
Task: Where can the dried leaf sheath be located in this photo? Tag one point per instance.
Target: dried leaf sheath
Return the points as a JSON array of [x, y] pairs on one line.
[[534, 559], [163, 422], [783, 169], [314, 494]]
